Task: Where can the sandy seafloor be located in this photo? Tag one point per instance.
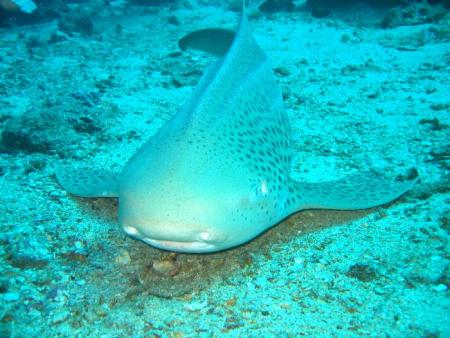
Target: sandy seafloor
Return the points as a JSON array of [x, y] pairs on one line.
[[357, 96]]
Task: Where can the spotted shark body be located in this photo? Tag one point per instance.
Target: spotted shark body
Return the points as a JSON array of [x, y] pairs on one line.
[[217, 174]]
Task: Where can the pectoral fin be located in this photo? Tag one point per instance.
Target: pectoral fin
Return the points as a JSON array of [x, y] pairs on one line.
[[87, 183], [359, 191]]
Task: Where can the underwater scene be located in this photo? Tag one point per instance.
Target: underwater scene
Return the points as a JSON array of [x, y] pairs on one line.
[[195, 168]]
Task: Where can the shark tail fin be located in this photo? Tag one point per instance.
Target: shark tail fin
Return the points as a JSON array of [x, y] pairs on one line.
[[215, 41]]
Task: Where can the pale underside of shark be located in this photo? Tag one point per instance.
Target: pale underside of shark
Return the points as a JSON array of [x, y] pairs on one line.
[[217, 174]]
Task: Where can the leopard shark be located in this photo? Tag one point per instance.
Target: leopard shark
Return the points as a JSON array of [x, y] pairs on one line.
[[217, 174]]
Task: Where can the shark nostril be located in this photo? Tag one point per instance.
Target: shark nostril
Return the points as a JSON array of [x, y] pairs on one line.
[[204, 235]]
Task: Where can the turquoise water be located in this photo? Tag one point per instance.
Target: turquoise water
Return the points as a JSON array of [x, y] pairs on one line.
[[86, 84]]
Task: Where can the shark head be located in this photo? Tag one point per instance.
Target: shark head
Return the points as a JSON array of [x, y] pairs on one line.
[[186, 208]]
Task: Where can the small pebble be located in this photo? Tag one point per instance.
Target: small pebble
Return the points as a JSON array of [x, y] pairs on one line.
[[11, 296], [299, 260], [60, 316], [196, 306], [440, 288], [166, 267], [231, 301], [285, 306], [282, 71], [123, 258], [102, 310]]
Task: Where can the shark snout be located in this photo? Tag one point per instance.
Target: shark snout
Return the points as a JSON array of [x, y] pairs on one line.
[[178, 235], [175, 240]]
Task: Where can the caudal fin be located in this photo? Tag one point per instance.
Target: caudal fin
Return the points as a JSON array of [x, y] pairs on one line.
[[359, 191]]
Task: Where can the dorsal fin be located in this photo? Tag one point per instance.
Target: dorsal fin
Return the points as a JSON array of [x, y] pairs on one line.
[[242, 59]]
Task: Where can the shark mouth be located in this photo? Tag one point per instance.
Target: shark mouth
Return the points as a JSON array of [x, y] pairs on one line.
[[192, 247]]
